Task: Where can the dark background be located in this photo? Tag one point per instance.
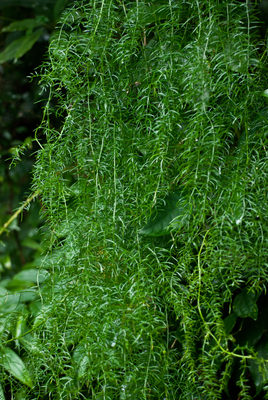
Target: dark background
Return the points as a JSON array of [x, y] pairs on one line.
[[21, 109]]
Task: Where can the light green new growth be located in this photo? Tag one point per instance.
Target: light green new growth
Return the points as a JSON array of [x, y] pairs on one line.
[[156, 98]]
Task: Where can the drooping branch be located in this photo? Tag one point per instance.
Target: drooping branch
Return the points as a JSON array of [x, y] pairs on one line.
[[20, 209]]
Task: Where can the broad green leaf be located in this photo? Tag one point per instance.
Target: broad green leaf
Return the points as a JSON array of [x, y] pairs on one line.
[[148, 14], [15, 366], [27, 295], [265, 93], [259, 368], [4, 282], [12, 303], [83, 366], [22, 328], [172, 216], [35, 307], [31, 275], [229, 323], [3, 296], [2, 396], [25, 24], [250, 331], [27, 342], [32, 244], [19, 47], [81, 359], [245, 305], [79, 352]]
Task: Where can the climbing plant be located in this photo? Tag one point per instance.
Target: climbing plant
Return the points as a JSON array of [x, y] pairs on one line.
[[154, 191]]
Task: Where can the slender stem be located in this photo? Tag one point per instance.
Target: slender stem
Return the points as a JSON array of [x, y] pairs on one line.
[[200, 311], [28, 201], [24, 205]]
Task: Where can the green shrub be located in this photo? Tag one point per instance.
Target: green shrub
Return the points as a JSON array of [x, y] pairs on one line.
[[155, 193]]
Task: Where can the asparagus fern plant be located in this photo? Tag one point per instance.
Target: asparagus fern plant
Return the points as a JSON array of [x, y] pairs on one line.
[[154, 191]]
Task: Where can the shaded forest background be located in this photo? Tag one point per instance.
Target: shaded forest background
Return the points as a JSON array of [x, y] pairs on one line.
[[27, 28], [21, 111]]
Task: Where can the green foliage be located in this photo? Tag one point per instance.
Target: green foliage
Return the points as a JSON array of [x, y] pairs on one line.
[[170, 217], [15, 366], [19, 47], [32, 28], [154, 190], [245, 305]]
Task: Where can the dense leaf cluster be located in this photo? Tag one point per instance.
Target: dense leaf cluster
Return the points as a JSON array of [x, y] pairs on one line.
[[154, 192]]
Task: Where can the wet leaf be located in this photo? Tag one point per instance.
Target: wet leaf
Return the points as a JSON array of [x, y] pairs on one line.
[[19, 47], [15, 366], [25, 24], [245, 305], [229, 323], [31, 275], [173, 216]]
